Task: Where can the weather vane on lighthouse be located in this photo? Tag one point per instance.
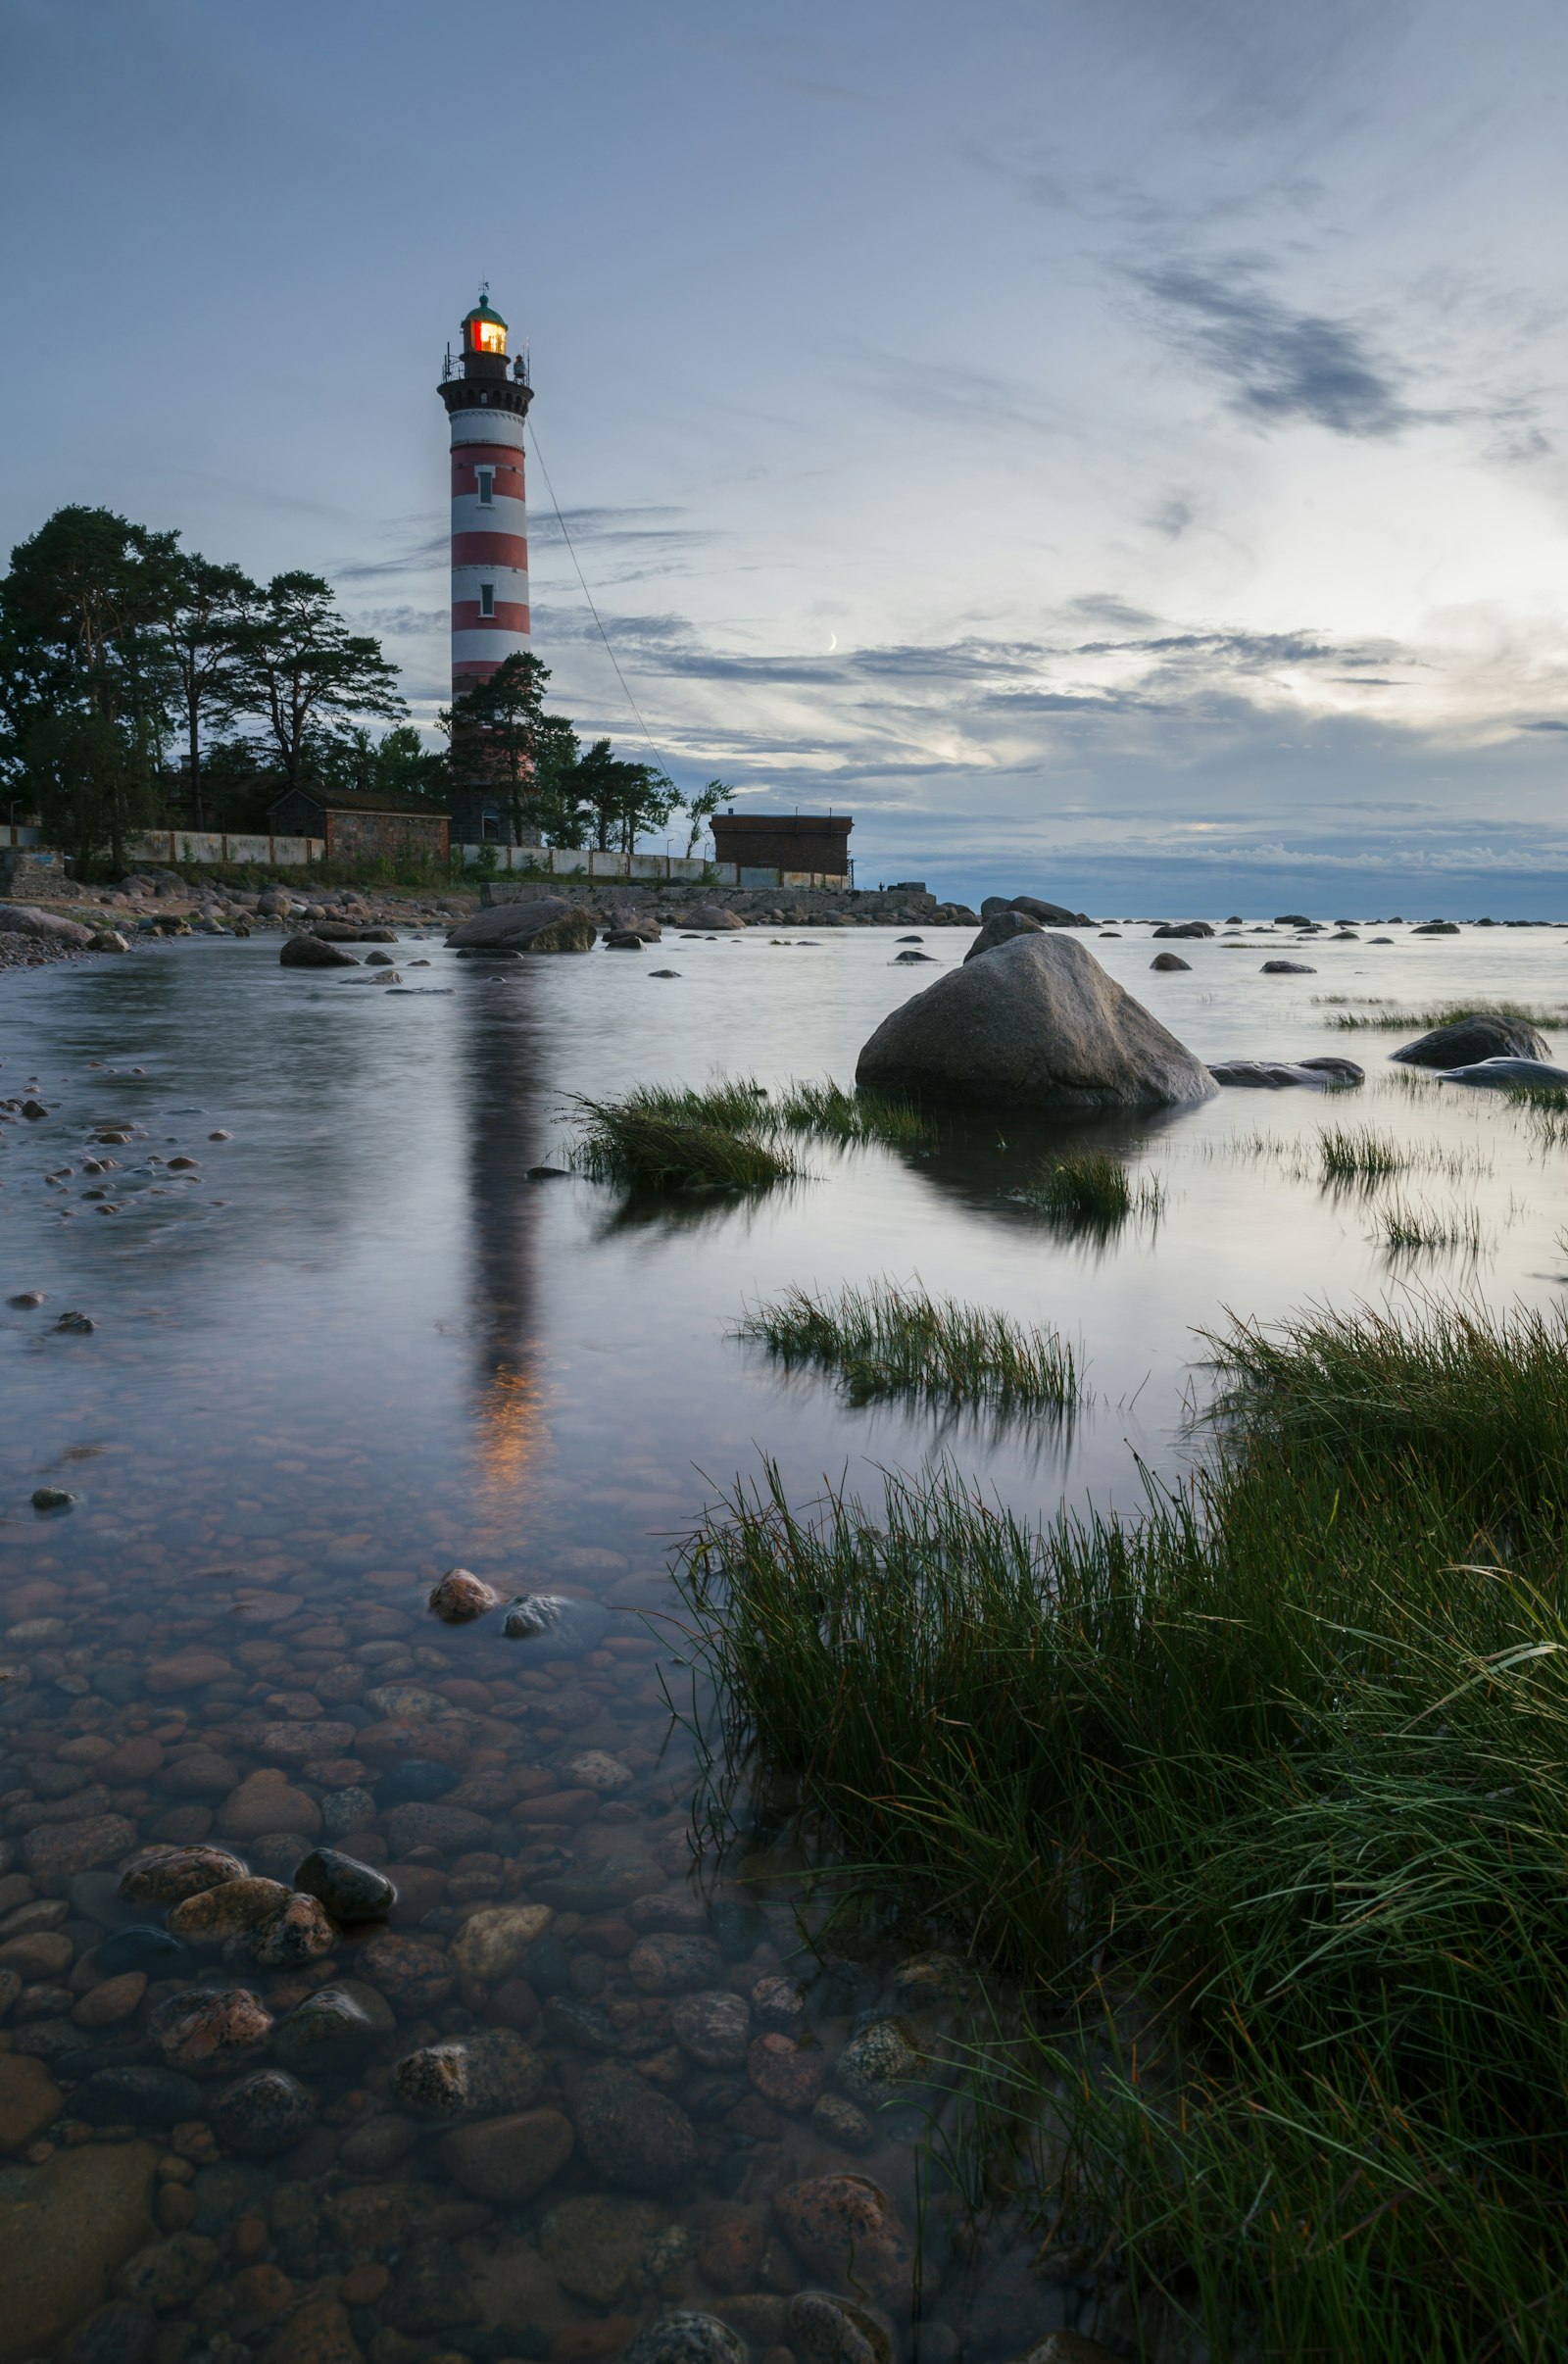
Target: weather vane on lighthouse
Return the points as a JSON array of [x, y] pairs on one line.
[[486, 402]]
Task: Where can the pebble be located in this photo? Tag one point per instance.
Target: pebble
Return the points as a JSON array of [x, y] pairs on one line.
[[846, 2228], [117, 1998], [376, 2146], [297, 1932], [595, 2245], [52, 1498], [571, 1627], [350, 1889], [713, 2028], [55, 1850], [317, 2333], [460, 1596], [593, 1769], [471, 2076], [730, 2250], [451, 1830], [215, 1914], [779, 2002], [168, 2272], [632, 2135], [64, 2233], [787, 2074], [493, 1942], [264, 2113], [839, 2121], [330, 2030], [430, 2291], [30, 2100], [825, 2330], [881, 2063], [415, 1978], [509, 2160], [116, 2334], [206, 2032], [687, 2339], [667, 1964], [266, 1802]]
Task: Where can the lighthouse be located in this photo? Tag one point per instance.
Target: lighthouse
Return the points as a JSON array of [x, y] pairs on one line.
[[486, 398]]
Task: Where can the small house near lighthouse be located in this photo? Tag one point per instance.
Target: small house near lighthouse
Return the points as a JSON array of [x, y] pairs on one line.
[[486, 396]]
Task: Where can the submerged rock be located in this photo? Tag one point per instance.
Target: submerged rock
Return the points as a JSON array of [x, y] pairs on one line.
[[1287, 968], [1277, 1074], [1471, 1041], [350, 1889], [1168, 961], [314, 952], [1509, 1075], [1037, 1023], [570, 1627], [550, 925], [687, 2338]]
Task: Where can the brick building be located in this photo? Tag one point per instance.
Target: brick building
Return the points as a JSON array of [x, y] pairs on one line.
[[816, 844], [362, 824]]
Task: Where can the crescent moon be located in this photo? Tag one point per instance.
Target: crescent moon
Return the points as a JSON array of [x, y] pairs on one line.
[[833, 642]]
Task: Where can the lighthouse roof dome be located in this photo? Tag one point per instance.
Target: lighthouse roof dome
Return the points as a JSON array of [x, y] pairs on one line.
[[484, 310]]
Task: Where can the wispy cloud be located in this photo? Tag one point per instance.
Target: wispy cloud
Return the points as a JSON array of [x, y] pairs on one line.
[[1278, 365]]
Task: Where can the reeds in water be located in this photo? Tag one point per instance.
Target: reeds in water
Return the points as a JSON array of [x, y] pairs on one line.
[[828, 1111], [1383, 1018], [887, 1340], [1091, 1192], [1404, 1227], [1264, 1792], [1353, 1152], [651, 1139]]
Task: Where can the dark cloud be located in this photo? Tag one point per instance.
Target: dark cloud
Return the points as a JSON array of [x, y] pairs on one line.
[[646, 525], [1546, 726], [1278, 365]]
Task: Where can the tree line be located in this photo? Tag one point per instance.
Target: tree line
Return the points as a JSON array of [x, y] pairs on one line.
[[118, 647]]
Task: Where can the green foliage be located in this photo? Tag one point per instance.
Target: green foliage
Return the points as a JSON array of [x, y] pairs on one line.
[[1383, 1018], [650, 1141], [1091, 1192], [503, 718], [700, 809], [621, 800], [88, 782], [827, 1110], [891, 1341], [1263, 1793], [298, 665], [1353, 1152]]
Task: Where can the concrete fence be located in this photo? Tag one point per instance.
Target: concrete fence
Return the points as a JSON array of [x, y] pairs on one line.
[[18, 833], [574, 862], [219, 844]]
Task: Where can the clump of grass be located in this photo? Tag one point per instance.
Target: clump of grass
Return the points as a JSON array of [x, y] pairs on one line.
[[1285, 1758], [1547, 1098], [1403, 1227], [1356, 1153], [1382, 1017], [885, 1340], [640, 1143], [733, 1103], [1091, 1192], [827, 1110]]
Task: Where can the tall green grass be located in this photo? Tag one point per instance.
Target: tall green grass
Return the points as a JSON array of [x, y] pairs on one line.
[[1381, 1017], [1353, 1152], [887, 1340], [1264, 1796], [1091, 1192], [825, 1109], [644, 1142]]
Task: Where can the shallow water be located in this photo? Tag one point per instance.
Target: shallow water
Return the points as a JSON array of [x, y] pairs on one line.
[[355, 1345]]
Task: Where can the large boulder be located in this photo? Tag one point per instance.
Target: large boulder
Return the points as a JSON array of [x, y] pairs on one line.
[[712, 917], [314, 952], [1001, 928], [1470, 1040], [1035, 1024], [1184, 928], [1276, 1074], [1049, 914], [26, 919], [549, 925]]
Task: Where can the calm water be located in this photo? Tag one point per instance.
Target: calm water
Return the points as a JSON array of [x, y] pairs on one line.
[[355, 1345]]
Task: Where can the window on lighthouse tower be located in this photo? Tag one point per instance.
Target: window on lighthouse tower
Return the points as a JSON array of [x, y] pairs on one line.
[[487, 599], [485, 479]]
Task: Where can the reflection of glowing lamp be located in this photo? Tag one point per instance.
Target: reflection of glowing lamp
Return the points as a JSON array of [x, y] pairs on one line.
[[484, 330]]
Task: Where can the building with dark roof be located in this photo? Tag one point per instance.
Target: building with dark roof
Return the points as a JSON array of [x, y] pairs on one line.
[[815, 845], [363, 823]]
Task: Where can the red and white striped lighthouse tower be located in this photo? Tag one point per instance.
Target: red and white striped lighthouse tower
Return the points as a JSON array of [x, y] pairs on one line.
[[487, 400]]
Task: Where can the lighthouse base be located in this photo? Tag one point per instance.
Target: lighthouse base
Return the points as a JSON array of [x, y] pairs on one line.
[[481, 816]]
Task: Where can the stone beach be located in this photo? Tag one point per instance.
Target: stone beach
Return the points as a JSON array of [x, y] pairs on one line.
[[366, 1991]]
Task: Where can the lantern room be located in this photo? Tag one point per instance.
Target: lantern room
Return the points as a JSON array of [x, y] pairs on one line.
[[484, 331]]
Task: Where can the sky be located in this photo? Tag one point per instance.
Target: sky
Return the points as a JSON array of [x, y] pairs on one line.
[[1117, 451]]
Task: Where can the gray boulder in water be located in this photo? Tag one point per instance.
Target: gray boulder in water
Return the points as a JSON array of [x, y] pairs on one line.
[[1472, 1040], [1035, 1024], [550, 925], [1509, 1075], [570, 1627], [1001, 928]]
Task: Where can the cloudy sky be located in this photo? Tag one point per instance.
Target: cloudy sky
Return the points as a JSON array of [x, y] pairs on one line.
[[1118, 448]]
